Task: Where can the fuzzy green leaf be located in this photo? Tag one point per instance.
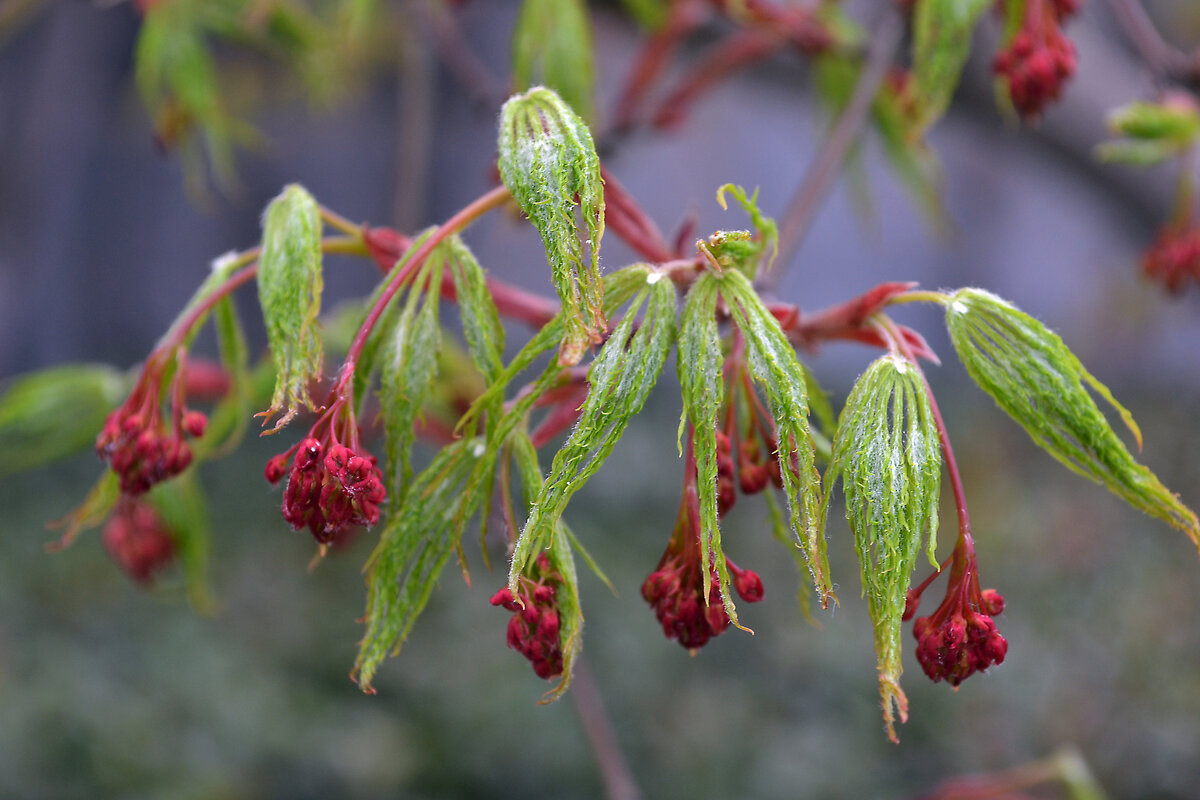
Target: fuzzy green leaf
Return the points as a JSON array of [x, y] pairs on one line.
[[775, 368], [413, 548], [941, 44], [409, 368], [768, 233], [570, 612], [552, 45], [1040, 383], [289, 291], [620, 380], [54, 413], [1137, 153], [698, 362], [888, 455], [547, 160], [480, 319]]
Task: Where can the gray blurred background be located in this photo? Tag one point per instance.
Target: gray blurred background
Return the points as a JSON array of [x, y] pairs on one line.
[[106, 690]]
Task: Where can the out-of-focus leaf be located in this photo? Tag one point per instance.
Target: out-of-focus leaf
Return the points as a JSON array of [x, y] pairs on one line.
[[1140, 153], [94, 509], [231, 417], [1040, 383], [289, 291], [888, 454], [650, 14], [54, 413], [941, 44], [552, 45], [1177, 123], [549, 163]]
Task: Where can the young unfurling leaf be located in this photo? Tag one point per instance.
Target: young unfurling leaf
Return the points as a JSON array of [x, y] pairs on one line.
[[547, 160], [1040, 383], [774, 367], [768, 233], [620, 381], [480, 319], [552, 45], [289, 290], [888, 456]]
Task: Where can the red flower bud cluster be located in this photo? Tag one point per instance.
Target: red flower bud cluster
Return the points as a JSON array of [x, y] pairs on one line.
[[136, 540], [675, 590], [533, 630], [142, 446], [960, 637], [1174, 258], [1039, 59], [331, 486]]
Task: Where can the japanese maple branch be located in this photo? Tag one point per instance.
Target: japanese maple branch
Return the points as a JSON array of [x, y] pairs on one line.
[[1163, 59], [797, 219]]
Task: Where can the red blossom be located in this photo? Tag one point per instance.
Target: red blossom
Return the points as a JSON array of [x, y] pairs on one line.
[[136, 540], [1038, 60], [333, 484], [1174, 258], [960, 637], [143, 445], [675, 590], [533, 630]]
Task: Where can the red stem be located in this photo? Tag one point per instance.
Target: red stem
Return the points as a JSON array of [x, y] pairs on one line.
[[467, 215]]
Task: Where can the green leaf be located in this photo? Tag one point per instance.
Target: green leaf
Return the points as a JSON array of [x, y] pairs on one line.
[[650, 14], [1139, 153], [698, 362], [888, 454], [95, 508], [1176, 123], [54, 413], [183, 508], [480, 319], [413, 549], [410, 368], [552, 45], [1040, 383], [570, 612], [620, 381], [774, 367], [941, 44], [289, 291], [547, 160]]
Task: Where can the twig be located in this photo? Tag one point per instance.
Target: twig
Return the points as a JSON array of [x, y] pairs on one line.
[[618, 780], [798, 218], [1163, 59]]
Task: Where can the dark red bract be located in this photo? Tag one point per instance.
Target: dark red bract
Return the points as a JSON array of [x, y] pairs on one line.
[[1174, 258], [1040, 59]]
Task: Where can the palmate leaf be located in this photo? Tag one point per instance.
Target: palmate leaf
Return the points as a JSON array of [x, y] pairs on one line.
[[698, 362], [888, 455], [775, 368], [570, 612], [1040, 383], [549, 163], [620, 380], [289, 291], [415, 545], [941, 44], [410, 367]]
